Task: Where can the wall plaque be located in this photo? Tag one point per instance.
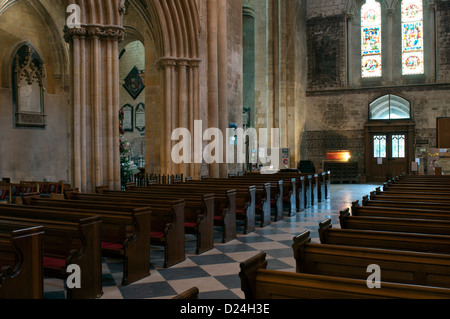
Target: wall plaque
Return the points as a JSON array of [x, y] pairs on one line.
[[127, 124], [140, 117]]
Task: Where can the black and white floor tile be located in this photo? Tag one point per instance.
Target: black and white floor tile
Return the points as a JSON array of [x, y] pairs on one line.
[[216, 272]]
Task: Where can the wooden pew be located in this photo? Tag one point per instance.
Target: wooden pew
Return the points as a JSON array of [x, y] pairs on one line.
[[21, 259], [199, 213], [408, 225], [262, 194], [257, 282], [125, 232], [398, 212], [245, 201], [383, 239], [289, 192], [386, 196], [413, 268], [5, 194], [276, 197], [403, 203], [69, 239], [224, 202], [190, 294], [166, 224]]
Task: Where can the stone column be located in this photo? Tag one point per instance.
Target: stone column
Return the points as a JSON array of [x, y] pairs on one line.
[[213, 75], [194, 66], [222, 79], [168, 65], [184, 110], [95, 106]]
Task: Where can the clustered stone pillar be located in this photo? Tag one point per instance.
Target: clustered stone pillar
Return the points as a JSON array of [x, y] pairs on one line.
[[181, 109], [96, 154]]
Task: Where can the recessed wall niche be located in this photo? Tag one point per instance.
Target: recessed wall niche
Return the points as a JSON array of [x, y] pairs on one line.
[[28, 87]]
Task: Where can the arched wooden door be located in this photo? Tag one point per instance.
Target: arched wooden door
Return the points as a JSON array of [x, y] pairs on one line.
[[389, 149], [389, 138]]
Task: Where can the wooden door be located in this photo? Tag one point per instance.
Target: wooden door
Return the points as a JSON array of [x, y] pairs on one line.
[[443, 132], [389, 150]]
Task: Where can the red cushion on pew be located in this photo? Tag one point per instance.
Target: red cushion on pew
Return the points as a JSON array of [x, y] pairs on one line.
[[3, 193], [157, 234], [52, 262], [108, 245], [189, 224], [240, 211]]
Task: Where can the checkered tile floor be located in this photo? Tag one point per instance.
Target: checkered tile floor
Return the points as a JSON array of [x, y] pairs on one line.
[[216, 272]]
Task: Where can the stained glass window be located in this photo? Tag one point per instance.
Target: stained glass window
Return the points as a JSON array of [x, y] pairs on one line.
[[412, 37], [371, 39]]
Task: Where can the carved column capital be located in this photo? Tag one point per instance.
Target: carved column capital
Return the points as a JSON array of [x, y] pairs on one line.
[[182, 64], [194, 64], [95, 31], [70, 33], [168, 63]]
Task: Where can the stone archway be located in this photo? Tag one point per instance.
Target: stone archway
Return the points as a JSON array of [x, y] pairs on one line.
[[174, 26]]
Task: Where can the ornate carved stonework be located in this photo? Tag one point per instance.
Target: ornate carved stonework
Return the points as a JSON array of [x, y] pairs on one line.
[[29, 75], [95, 31]]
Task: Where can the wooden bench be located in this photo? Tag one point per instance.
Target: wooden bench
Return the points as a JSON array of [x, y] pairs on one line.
[[386, 196], [383, 239], [224, 202], [305, 186], [245, 201], [167, 221], [5, 194], [262, 194], [374, 201], [125, 232], [21, 260], [199, 213], [398, 212], [408, 225], [190, 294], [257, 282], [413, 268], [287, 201], [69, 239]]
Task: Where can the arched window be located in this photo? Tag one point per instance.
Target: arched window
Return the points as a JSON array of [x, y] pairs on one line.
[[389, 107], [371, 39], [412, 37]]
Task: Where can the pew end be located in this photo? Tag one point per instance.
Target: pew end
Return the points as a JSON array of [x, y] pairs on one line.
[[299, 246], [101, 189], [190, 294], [342, 215], [323, 227], [365, 200], [248, 274]]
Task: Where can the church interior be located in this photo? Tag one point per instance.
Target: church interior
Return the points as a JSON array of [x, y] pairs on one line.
[[276, 117]]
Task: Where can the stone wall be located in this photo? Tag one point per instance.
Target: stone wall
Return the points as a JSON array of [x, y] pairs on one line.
[[34, 153], [337, 110]]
